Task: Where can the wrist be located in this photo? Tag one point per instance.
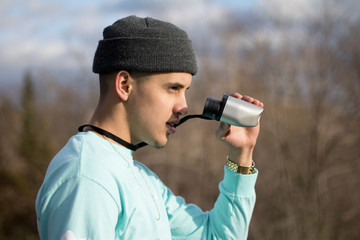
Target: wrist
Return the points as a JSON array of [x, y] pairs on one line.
[[240, 169], [242, 157]]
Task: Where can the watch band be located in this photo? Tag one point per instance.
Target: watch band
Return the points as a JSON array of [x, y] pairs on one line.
[[239, 169]]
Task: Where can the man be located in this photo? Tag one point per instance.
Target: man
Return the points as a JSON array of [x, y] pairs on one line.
[[93, 189]]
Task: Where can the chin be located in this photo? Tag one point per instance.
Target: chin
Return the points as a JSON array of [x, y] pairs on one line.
[[159, 146], [159, 143]]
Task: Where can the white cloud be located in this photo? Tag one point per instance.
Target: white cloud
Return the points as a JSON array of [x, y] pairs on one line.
[[17, 49], [41, 33], [294, 10], [31, 53], [51, 51], [308, 10]]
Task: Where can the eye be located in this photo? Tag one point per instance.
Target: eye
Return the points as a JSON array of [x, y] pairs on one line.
[[174, 88]]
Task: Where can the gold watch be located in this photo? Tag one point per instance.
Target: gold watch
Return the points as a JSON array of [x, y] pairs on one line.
[[239, 169]]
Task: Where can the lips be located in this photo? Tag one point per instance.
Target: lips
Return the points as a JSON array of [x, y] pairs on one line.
[[171, 126]]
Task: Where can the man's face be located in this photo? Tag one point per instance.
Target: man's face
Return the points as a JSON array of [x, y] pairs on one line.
[[155, 104]]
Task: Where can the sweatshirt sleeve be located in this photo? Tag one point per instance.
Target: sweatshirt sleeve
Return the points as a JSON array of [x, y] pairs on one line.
[[230, 217]]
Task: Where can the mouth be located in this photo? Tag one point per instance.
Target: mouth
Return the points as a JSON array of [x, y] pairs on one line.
[[171, 126]]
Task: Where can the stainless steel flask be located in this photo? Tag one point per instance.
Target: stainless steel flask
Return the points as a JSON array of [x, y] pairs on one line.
[[233, 111]]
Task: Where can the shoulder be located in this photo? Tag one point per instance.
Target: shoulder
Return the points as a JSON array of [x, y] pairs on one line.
[[84, 161], [142, 167]]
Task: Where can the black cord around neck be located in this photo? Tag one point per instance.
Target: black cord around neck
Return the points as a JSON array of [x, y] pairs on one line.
[[129, 145], [113, 137]]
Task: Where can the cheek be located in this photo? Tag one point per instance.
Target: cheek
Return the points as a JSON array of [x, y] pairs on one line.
[[150, 113], [152, 106], [158, 103], [156, 112]]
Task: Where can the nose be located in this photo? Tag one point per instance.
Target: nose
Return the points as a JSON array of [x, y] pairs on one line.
[[181, 107]]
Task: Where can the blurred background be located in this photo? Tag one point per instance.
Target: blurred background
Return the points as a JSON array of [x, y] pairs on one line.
[[300, 57]]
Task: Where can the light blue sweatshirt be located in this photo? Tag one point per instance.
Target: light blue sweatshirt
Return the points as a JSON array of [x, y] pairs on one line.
[[92, 191]]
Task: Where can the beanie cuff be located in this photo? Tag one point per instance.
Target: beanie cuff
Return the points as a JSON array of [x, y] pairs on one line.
[[144, 55]]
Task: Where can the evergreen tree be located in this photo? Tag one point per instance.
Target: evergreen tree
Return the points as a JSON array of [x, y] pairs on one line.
[[34, 144], [18, 220]]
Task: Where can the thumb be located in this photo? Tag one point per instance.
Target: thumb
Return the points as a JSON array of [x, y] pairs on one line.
[[223, 131]]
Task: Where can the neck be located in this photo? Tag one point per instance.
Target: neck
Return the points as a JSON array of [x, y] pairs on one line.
[[112, 118], [111, 137]]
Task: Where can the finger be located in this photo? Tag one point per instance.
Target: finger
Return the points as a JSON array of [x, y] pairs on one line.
[[248, 99], [253, 101], [257, 102], [237, 95]]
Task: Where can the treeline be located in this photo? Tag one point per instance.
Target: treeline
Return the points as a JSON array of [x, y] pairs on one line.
[[33, 128], [307, 154]]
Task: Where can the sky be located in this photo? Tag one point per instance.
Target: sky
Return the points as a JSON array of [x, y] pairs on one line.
[[63, 34]]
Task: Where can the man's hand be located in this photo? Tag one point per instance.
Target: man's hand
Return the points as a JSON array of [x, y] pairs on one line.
[[241, 140]]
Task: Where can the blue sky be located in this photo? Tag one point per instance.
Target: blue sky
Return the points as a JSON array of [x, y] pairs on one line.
[[46, 34], [63, 34]]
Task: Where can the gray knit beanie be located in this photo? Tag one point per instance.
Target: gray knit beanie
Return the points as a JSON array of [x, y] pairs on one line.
[[145, 45]]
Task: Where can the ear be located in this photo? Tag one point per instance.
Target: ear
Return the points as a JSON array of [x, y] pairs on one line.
[[123, 85]]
